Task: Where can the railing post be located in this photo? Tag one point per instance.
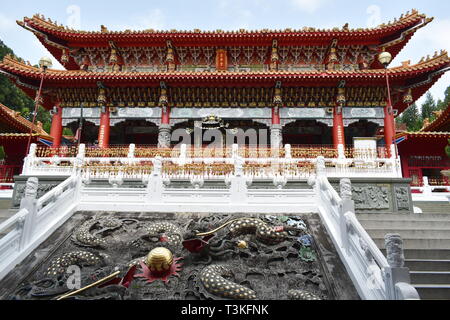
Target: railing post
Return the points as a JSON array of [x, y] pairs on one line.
[[131, 149], [288, 151], [155, 183], [28, 202], [341, 151], [79, 161], [238, 187], [347, 205], [183, 155], [427, 189], [397, 277], [29, 159]]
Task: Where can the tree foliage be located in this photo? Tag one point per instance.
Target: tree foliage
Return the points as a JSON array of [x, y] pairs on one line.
[[14, 98], [428, 107], [411, 117]]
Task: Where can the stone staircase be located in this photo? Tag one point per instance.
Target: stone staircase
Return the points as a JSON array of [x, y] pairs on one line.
[[426, 242]]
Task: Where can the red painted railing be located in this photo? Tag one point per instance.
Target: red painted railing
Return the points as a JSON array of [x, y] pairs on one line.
[[7, 173]]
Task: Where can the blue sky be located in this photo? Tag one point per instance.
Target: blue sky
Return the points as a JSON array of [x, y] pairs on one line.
[[228, 15]]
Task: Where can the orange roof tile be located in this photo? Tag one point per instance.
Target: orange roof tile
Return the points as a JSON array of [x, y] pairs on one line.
[[442, 122], [14, 119]]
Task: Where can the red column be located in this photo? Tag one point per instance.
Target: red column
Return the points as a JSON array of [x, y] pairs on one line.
[[338, 127], [57, 129], [103, 132], [275, 115], [165, 115], [389, 129]]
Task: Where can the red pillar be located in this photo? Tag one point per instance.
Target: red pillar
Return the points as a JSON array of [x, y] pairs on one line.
[[389, 129], [57, 129], [103, 132], [165, 115], [275, 115], [338, 127]]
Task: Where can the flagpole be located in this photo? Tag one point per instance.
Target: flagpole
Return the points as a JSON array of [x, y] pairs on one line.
[[80, 126]]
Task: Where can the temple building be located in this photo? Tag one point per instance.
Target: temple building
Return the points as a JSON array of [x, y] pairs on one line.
[[423, 153], [305, 87], [15, 132]]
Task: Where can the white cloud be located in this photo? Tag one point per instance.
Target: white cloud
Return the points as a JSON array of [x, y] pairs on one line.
[[308, 6], [6, 23]]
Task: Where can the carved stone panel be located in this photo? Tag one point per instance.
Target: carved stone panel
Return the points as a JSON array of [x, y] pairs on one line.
[[363, 113], [402, 198], [304, 113], [371, 197], [233, 113]]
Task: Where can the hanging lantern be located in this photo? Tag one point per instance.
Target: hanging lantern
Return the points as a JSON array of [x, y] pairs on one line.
[[407, 97], [163, 101], [101, 99], [340, 99], [277, 100]]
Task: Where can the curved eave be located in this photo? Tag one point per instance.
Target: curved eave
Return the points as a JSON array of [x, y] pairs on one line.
[[393, 37], [418, 77], [19, 123], [424, 135], [441, 123]]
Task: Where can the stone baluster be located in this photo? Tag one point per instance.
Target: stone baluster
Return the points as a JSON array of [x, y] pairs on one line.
[[29, 159], [346, 206], [397, 277], [288, 151], [427, 189], [29, 202]]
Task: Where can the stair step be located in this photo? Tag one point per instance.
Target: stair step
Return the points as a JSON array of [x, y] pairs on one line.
[[411, 234], [426, 244], [433, 291], [404, 217], [427, 265], [430, 277], [427, 254], [413, 224]]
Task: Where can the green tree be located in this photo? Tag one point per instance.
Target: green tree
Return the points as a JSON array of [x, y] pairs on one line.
[[428, 107], [443, 104], [411, 118], [14, 98]]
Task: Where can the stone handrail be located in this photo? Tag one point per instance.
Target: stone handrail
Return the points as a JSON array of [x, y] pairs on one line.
[[374, 276], [36, 220], [336, 167]]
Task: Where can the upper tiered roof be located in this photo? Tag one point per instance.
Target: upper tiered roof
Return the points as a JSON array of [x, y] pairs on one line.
[[441, 123], [392, 36]]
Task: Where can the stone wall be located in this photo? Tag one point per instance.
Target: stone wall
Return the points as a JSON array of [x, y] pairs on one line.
[[380, 195]]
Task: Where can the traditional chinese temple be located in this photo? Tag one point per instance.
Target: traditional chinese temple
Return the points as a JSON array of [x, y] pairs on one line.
[[305, 87], [423, 153], [15, 131]]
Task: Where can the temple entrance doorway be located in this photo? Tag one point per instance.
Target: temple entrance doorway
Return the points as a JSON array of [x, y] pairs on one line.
[[139, 132], [360, 129], [307, 132], [214, 131]]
